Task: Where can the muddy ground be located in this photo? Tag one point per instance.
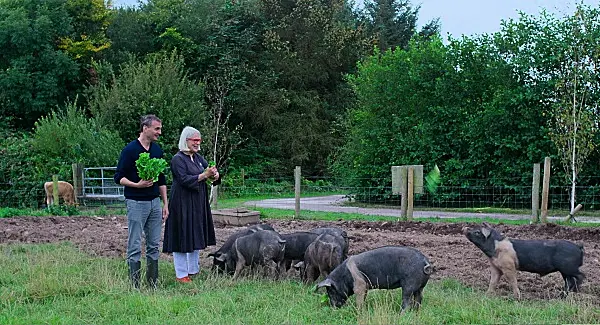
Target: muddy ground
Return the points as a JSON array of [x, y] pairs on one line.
[[453, 255]]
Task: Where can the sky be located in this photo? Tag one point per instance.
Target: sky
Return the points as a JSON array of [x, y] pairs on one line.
[[474, 17]]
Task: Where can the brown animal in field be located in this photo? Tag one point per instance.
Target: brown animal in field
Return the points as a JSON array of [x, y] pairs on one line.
[[65, 191]]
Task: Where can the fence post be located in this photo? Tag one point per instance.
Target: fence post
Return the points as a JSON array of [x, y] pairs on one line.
[[403, 192], [545, 190], [297, 191], [77, 180], [55, 189], [243, 175], [410, 192], [535, 194]]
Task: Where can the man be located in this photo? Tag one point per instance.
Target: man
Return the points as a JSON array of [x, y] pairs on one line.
[[142, 199]]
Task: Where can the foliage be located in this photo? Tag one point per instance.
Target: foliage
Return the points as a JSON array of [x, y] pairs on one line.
[[67, 136], [148, 168], [453, 105], [35, 75], [21, 174], [157, 86], [392, 23], [130, 33], [62, 210], [89, 19]]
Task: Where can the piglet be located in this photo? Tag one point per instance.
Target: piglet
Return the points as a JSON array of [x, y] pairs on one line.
[[507, 256]]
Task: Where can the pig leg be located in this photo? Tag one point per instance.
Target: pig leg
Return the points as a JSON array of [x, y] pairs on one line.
[[495, 275], [406, 298], [239, 265], [511, 276], [273, 268], [418, 297], [311, 274]]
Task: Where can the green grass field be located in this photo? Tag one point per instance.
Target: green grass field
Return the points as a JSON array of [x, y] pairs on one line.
[[57, 284]]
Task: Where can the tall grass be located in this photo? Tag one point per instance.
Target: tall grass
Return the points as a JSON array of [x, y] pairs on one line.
[[56, 283]]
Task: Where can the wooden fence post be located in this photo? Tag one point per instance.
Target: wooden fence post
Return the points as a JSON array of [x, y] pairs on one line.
[[77, 180], [535, 194], [403, 193], [545, 190], [55, 189], [297, 191], [410, 192]]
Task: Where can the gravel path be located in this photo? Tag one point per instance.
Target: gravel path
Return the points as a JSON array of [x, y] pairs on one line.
[[336, 203]]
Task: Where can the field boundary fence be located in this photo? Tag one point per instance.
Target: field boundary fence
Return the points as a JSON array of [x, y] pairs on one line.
[[100, 190]]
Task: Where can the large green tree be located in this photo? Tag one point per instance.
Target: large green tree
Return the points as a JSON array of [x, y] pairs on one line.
[[35, 75], [392, 23]]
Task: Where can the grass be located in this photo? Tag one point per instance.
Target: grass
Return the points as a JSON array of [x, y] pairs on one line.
[[56, 283]]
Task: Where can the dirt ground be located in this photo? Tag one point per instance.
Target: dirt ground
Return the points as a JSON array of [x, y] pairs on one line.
[[452, 254]]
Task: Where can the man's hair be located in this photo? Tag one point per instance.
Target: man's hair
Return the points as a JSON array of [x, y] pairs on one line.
[[147, 120]]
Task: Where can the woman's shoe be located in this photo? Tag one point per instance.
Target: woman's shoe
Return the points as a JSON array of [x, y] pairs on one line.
[[185, 279]]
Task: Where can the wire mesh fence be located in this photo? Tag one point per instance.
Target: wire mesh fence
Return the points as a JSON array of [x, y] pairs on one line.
[[470, 194]]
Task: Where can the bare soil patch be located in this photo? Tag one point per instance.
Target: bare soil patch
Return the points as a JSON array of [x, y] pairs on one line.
[[453, 255]]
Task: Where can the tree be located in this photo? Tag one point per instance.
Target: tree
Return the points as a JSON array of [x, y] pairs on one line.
[[35, 75], [392, 23], [575, 119]]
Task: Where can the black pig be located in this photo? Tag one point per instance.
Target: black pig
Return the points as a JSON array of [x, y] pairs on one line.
[[340, 234], [322, 256], [387, 267], [260, 248], [227, 265], [536, 256], [295, 246]]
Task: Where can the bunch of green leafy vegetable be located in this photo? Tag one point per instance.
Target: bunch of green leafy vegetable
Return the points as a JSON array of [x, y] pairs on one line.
[[211, 163], [149, 168]]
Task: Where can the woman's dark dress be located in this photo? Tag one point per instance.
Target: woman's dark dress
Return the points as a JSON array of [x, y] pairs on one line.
[[189, 226]]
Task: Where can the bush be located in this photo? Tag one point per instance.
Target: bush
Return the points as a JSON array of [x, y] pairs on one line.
[[59, 140], [66, 137], [158, 86]]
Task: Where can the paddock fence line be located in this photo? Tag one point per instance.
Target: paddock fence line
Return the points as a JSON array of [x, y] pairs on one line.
[[472, 193]]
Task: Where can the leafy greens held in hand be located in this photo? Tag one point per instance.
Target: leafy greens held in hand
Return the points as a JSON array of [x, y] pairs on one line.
[[211, 164], [149, 169]]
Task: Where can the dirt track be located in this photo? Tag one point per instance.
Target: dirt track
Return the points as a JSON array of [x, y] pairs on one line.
[[453, 255]]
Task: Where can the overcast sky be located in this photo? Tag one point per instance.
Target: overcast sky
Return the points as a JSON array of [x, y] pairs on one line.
[[470, 17]]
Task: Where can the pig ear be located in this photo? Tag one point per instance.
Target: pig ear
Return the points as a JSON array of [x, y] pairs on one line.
[[221, 257], [487, 225], [299, 265], [325, 283], [486, 232]]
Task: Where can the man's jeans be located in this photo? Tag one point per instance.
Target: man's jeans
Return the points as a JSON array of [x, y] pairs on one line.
[[146, 216]]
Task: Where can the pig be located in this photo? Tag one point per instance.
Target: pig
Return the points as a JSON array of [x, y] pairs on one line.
[[226, 264], [322, 256], [387, 267], [507, 256], [295, 246], [263, 247], [342, 237]]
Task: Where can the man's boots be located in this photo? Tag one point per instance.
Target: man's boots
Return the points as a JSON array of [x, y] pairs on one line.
[[134, 273], [152, 272]]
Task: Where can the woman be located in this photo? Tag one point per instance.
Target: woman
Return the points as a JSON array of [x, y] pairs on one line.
[[189, 227]]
